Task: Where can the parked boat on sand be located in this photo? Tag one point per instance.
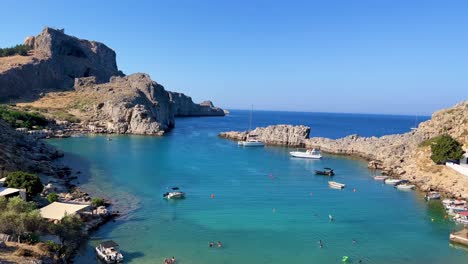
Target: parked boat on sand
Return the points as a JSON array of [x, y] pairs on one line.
[[405, 186]]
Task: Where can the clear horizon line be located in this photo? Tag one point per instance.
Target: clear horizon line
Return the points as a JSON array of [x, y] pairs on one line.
[[325, 112]]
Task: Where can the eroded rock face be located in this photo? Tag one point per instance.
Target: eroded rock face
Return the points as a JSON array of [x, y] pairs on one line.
[[21, 152], [282, 135], [402, 155], [132, 104], [184, 106], [57, 60]]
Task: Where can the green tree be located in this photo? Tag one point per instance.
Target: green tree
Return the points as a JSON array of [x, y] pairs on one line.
[[24, 180], [52, 197], [445, 147], [96, 202], [19, 218], [70, 230]]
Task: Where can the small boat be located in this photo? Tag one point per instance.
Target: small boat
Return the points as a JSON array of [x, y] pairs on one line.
[[325, 171], [432, 195], [453, 202], [380, 177], [336, 185], [251, 141], [174, 194], [391, 181], [108, 251], [308, 154], [405, 186], [461, 217]]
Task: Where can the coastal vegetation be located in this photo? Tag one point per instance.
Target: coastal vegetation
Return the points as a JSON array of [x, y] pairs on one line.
[[52, 197], [20, 49], [24, 180], [20, 219], [16, 118], [444, 148], [96, 202]]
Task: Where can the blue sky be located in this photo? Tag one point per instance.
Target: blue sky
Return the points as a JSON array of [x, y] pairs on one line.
[[380, 56]]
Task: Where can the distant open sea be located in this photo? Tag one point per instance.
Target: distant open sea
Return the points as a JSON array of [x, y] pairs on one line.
[[263, 205]]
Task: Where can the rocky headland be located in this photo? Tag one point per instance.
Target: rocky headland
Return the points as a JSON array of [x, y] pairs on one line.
[[77, 82], [280, 135], [401, 155]]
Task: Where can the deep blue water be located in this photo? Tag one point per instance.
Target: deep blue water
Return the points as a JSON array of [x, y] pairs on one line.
[[267, 206]]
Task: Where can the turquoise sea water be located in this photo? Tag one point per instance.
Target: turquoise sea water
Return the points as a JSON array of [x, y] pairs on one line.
[[267, 206]]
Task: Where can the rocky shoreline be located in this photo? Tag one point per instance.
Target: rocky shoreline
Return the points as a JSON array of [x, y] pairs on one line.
[[401, 155]]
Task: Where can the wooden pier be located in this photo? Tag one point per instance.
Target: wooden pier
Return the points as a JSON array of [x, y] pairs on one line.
[[460, 237]]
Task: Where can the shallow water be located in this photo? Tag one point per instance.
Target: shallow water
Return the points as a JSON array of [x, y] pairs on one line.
[[267, 206]]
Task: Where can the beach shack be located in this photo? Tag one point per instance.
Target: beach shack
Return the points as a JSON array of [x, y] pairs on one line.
[[57, 210], [12, 192]]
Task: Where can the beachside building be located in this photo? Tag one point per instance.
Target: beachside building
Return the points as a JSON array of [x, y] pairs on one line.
[[57, 210], [462, 167], [12, 192]]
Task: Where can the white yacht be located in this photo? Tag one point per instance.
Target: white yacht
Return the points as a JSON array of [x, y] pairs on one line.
[[109, 252], [251, 141], [308, 154]]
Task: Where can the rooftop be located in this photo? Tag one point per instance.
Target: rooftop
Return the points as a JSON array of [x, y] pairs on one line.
[[57, 210], [7, 191]]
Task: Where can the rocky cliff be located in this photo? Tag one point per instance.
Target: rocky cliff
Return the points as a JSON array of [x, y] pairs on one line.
[[55, 61], [282, 135], [132, 104], [184, 106], [405, 156], [75, 79], [400, 155], [21, 152]]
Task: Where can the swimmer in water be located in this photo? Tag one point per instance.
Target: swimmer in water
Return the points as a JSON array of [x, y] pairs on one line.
[[211, 244], [330, 217]]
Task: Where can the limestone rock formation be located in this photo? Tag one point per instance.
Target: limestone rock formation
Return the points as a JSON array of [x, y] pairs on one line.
[[283, 135], [132, 104], [403, 156], [56, 60], [184, 106]]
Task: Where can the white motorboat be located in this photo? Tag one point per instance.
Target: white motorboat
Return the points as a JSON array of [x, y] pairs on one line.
[[380, 178], [461, 217], [432, 195], [336, 185], [174, 194], [405, 186], [251, 141], [392, 181], [453, 202], [308, 154], [109, 252]]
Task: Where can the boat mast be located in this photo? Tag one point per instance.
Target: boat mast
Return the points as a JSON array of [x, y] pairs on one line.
[[250, 122]]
